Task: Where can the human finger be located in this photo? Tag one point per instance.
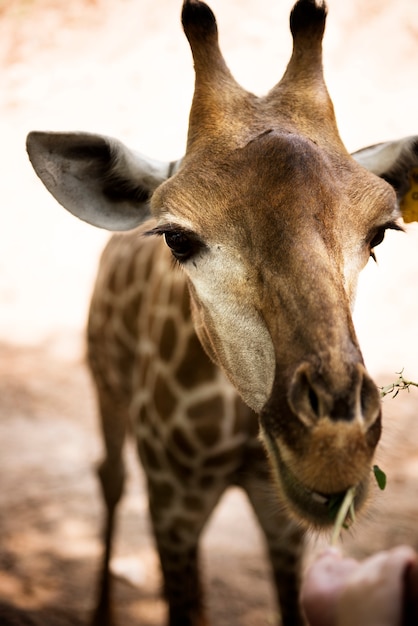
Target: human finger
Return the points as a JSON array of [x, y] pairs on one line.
[[322, 586], [374, 592]]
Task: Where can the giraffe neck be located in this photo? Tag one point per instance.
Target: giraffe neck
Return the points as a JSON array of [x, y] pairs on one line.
[[178, 399], [194, 435]]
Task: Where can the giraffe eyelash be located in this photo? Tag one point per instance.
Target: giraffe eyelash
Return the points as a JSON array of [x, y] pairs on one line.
[[379, 235], [184, 244]]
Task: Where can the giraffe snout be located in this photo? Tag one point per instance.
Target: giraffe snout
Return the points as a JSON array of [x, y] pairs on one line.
[[323, 443], [345, 397]]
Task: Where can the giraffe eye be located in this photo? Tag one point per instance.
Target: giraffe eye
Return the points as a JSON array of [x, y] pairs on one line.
[[379, 235], [182, 244], [179, 244], [378, 238]]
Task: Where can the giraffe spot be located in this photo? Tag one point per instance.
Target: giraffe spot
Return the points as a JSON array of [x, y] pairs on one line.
[[130, 314], [182, 442], [155, 433], [161, 494], [165, 400], [185, 303], [105, 314], [142, 415], [208, 433], [207, 481], [131, 271], [256, 458], [223, 458], [171, 565], [207, 409], [148, 267], [148, 455], [245, 419], [196, 368], [183, 526], [193, 503], [174, 536], [112, 282], [157, 514], [168, 339], [116, 279], [181, 470]]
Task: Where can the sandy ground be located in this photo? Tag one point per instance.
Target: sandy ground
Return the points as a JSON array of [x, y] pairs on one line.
[[123, 68]]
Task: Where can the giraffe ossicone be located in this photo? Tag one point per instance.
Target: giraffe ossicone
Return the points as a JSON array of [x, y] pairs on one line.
[[270, 221]]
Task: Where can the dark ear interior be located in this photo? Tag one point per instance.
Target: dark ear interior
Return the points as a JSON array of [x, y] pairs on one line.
[[99, 158], [393, 161], [401, 173], [96, 178], [119, 189], [403, 176], [397, 163]]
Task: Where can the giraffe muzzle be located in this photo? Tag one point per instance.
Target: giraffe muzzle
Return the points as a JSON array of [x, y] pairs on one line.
[[309, 506], [321, 439]]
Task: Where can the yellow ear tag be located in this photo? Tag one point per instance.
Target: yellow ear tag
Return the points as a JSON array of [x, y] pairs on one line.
[[409, 203]]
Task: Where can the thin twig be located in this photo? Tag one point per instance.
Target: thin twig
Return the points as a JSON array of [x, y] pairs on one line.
[[399, 385], [346, 509]]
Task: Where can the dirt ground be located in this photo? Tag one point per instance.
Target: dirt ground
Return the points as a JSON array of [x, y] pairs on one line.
[[123, 68]]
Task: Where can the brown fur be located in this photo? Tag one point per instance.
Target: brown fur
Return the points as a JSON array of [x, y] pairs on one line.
[[279, 221]]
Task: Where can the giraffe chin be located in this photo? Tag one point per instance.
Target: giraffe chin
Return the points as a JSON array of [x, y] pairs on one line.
[[308, 507]]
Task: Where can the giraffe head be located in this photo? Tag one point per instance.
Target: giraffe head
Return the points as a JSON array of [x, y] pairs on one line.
[[272, 221]]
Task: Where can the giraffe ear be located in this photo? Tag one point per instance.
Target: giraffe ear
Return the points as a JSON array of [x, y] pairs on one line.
[[396, 162], [97, 178]]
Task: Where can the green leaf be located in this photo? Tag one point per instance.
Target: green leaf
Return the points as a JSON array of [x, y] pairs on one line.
[[380, 477]]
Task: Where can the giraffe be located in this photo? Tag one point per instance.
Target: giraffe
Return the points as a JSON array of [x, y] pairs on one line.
[[237, 363], [195, 436]]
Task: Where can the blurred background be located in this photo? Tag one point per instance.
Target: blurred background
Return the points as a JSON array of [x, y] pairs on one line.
[[123, 68]]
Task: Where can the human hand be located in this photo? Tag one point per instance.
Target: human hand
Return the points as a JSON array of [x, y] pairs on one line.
[[341, 591]]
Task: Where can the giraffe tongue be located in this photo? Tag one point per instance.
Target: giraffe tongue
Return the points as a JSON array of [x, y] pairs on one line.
[[318, 497]]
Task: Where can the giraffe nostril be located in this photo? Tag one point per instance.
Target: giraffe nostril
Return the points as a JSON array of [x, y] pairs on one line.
[[305, 399], [370, 403], [313, 400], [311, 397], [369, 397]]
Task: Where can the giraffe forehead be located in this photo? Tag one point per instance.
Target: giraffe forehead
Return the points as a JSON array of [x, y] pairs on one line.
[[236, 190], [278, 186]]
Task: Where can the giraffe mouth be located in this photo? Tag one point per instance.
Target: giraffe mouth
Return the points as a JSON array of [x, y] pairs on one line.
[[307, 505]]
